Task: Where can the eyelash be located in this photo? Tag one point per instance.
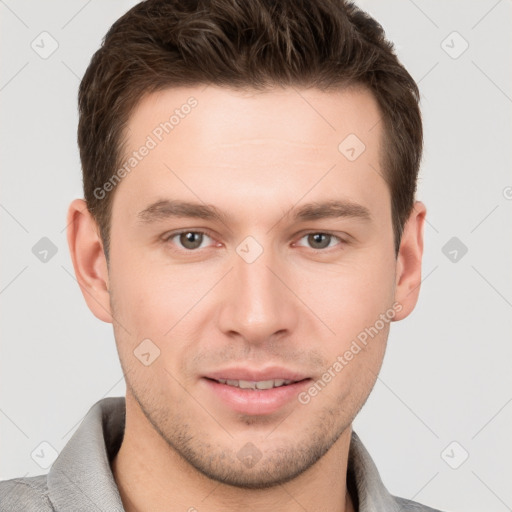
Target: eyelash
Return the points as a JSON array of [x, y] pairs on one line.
[[169, 237]]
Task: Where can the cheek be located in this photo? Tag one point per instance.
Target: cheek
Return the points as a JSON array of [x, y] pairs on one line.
[[358, 307], [348, 297], [153, 302], [163, 303]]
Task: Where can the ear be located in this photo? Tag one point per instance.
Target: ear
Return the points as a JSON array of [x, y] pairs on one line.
[[408, 267], [88, 258]]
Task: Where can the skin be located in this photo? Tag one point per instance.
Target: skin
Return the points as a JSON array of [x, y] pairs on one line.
[[256, 156]]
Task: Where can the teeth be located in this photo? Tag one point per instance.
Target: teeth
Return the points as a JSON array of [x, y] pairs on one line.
[[261, 384], [245, 384]]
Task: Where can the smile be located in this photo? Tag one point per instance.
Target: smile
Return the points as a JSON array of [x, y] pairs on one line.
[[251, 384]]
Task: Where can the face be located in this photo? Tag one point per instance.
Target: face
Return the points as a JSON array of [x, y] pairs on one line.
[[252, 242]]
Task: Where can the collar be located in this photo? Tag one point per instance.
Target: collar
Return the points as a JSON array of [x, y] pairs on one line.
[[81, 478]]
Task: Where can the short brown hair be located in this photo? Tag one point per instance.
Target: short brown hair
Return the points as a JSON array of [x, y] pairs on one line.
[[326, 44]]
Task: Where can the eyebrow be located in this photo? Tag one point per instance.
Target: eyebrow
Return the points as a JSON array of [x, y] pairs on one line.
[[332, 209], [166, 208]]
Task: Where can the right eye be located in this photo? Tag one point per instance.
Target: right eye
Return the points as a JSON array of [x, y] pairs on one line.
[[189, 240]]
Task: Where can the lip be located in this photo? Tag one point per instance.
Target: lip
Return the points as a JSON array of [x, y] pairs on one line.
[[255, 402]]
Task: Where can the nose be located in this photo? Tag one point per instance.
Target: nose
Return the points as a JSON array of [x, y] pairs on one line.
[[258, 307]]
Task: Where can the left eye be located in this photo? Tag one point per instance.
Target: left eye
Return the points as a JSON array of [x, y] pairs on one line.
[[190, 240], [321, 240]]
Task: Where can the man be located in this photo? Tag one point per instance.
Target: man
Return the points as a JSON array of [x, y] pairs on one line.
[[250, 230]]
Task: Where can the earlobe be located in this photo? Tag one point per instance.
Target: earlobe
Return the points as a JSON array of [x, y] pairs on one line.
[[90, 265], [408, 267]]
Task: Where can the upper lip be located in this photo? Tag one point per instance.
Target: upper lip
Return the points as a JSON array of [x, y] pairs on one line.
[[249, 374]]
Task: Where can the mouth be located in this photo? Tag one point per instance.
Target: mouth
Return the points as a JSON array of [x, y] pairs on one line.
[[255, 397], [256, 385]]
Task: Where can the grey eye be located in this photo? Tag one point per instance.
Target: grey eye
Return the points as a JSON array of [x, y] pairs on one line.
[[319, 240], [191, 239]]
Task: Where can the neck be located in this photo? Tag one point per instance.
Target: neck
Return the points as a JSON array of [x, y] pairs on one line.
[[151, 475]]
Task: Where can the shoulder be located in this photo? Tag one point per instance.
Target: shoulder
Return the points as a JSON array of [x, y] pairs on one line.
[[411, 506], [28, 494]]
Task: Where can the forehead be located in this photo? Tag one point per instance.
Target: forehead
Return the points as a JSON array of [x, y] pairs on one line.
[[224, 116], [211, 143]]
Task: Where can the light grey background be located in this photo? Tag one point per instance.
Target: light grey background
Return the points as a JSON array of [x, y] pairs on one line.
[[446, 376]]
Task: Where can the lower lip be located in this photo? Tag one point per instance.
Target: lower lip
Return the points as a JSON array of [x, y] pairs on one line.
[[256, 402]]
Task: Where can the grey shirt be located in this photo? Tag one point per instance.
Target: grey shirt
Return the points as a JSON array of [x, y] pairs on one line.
[[81, 480]]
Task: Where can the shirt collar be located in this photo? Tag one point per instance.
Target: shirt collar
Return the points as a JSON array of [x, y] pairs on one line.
[[364, 482], [81, 478]]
